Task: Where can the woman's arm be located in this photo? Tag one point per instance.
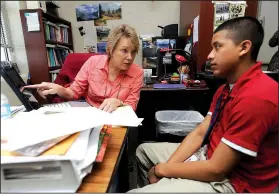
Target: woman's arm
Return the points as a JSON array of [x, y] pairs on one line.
[[80, 83], [46, 88], [273, 42]]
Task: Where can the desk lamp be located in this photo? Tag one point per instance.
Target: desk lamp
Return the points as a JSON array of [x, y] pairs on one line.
[[183, 72], [179, 58]]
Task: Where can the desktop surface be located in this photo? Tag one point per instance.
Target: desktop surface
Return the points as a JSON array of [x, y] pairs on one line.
[[103, 176]]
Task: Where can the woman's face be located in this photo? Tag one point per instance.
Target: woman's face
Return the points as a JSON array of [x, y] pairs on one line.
[[123, 54]]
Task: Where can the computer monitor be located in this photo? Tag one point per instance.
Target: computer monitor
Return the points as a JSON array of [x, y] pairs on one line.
[[13, 79], [165, 63], [149, 56]]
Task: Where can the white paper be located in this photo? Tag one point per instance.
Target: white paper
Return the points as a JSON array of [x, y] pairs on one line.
[[90, 32], [32, 21], [78, 149], [29, 128], [92, 149], [124, 116], [196, 30], [82, 153], [85, 171], [76, 152]]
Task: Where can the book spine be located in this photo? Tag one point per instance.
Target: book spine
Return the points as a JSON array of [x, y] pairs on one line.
[[48, 62], [55, 58]]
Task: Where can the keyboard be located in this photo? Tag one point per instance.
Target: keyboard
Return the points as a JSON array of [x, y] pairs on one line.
[[58, 105]]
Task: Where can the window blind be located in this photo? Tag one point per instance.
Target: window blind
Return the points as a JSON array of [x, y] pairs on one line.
[[6, 43]]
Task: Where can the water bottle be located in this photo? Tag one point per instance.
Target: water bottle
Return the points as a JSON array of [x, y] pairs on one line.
[[5, 107]]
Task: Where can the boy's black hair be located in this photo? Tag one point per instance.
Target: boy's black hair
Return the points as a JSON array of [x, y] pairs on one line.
[[245, 28]]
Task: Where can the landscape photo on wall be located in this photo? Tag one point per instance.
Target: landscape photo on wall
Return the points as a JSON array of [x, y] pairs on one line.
[[87, 12], [110, 11]]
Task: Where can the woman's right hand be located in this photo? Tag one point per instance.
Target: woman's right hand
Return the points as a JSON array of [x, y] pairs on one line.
[[47, 88]]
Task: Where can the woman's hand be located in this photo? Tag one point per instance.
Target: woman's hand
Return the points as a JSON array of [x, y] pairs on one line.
[[110, 104], [46, 88]]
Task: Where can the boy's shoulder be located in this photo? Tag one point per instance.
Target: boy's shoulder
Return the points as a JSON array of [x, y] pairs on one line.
[[263, 88]]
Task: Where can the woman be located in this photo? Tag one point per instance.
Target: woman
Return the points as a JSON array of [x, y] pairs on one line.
[[106, 81], [274, 62]]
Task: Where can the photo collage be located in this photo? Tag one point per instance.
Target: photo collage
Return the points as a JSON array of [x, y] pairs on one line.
[[228, 10], [99, 14]]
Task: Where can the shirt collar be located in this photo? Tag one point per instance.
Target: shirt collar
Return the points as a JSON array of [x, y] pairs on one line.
[[254, 71], [104, 66]]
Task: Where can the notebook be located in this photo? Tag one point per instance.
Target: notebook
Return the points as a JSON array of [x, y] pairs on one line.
[[169, 86]]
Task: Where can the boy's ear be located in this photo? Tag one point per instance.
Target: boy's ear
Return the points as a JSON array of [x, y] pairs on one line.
[[245, 47]]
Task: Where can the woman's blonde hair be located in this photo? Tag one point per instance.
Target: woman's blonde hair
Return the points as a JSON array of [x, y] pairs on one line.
[[117, 33]]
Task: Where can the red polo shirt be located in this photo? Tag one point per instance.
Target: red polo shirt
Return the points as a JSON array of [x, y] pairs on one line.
[[249, 124]]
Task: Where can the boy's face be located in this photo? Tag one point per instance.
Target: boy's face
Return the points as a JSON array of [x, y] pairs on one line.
[[224, 55]]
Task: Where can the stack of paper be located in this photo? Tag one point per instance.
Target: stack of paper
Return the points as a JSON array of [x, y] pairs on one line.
[[73, 133], [29, 128]]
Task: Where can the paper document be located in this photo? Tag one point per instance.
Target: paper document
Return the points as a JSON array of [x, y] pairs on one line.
[[92, 149], [89, 28], [29, 128], [32, 21], [82, 153], [76, 152], [124, 116], [196, 30]]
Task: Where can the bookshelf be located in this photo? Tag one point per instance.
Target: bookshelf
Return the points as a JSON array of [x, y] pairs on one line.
[[47, 48]]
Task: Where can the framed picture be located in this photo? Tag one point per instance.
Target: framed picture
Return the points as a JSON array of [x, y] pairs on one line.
[[87, 12]]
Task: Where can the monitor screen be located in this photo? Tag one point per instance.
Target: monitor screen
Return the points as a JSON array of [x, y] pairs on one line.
[[166, 62], [13, 79]]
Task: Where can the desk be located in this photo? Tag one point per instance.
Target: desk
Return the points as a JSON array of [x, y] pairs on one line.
[[105, 176], [153, 100]]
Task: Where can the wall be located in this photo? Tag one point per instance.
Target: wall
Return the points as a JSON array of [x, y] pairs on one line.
[[144, 16], [189, 10], [268, 10], [19, 56]]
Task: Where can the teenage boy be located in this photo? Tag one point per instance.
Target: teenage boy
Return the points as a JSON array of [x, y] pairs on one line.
[[235, 148]]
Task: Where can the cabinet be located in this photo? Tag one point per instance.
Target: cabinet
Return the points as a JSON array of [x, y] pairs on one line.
[[39, 44]]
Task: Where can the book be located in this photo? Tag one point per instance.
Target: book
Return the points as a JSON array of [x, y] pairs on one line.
[[103, 142]]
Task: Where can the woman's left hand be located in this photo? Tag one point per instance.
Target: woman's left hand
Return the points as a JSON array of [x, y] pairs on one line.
[[110, 104]]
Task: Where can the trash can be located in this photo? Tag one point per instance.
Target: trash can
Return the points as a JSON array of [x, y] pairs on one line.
[[176, 122]]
